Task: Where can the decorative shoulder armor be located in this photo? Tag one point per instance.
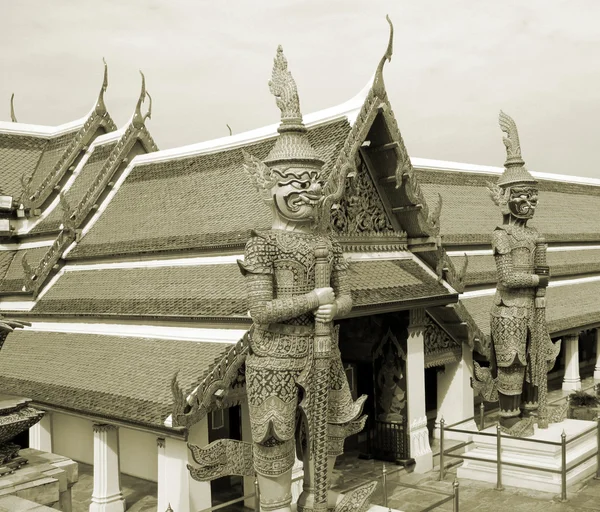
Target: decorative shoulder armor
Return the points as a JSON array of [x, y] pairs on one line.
[[257, 256], [339, 262], [500, 242]]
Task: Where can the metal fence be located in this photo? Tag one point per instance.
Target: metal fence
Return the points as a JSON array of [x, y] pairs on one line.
[[564, 469]]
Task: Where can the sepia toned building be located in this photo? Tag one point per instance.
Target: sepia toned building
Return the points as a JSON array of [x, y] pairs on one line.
[[124, 260]]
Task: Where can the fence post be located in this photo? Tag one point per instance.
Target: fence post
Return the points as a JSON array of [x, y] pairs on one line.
[[455, 493], [597, 477], [563, 474], [384, 483], [481, 416], [256, 495], [442, 424], [499, 459]]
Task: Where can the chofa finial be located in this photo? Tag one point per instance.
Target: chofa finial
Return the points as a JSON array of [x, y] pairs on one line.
[[12, 108], [138, 118], [283, 86], [378, 85], [100, 106]]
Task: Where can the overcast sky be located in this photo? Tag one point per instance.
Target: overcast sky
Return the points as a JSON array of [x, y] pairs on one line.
[[456, 63]]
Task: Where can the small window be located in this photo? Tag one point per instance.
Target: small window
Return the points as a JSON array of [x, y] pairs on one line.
[[217, 419]]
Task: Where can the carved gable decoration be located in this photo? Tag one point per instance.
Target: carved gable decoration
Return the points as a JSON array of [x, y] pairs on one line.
[[440, 349], [360, 210]]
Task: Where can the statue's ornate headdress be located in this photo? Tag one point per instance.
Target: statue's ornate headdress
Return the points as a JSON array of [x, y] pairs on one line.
[[515, 171], [292, 147]]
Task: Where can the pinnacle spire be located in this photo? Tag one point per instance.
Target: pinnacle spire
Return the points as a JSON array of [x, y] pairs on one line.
[[378, 84], [515, 171]]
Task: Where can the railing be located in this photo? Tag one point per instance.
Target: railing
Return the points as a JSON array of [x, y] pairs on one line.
[[564, 469]]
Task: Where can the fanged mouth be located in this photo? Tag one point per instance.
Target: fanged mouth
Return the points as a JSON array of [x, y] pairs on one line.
[[296, 202]]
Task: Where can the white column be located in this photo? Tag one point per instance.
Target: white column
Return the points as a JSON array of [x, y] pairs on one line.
[[597, 367], [420, 450], [107, 495], [40, 435], [200, 493], [455, 399], [571, 380], [173, 476]]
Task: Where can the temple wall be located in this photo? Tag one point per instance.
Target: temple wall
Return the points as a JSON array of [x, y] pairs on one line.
[[138, 454], [73, 437]]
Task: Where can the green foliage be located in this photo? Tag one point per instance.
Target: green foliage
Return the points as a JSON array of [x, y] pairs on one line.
[[582, 399]]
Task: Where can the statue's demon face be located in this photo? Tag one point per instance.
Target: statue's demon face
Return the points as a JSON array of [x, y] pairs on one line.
[[523, 201], [297, 193]]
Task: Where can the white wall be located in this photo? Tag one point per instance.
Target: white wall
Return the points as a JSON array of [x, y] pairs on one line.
[[73, 437], [138, 454]]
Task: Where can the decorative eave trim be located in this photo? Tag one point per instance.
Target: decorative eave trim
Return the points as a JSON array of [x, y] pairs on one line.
[[46, 132], [35, 199]]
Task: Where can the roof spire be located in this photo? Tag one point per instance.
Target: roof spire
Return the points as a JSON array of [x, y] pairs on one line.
[[229, 128], [139, 119], [292, 145], [100, 106], [515, 171], [12, 108], [378, 85]]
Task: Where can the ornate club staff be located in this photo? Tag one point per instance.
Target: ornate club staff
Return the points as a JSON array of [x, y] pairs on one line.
[[322, 361]]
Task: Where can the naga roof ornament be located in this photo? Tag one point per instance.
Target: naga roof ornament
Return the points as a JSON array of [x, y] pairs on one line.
[[12, 108], [515, 171], [139, 119], [378, 84], [100, 107], [292, 145]]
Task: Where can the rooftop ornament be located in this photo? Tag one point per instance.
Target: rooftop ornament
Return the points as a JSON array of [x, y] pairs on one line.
[[138, 118], [12, 108], [100, 107]]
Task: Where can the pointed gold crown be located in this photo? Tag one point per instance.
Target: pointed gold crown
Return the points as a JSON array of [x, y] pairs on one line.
[[514, 167], [292, 145]]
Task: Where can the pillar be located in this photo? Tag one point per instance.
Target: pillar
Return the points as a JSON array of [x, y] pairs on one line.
[[571, 380], [107, 495], [40, 435], [596, 334], [420, 450], [455, 398], [200, 493]]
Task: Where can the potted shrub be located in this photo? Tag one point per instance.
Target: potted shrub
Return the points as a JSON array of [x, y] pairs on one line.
[[583, 406]]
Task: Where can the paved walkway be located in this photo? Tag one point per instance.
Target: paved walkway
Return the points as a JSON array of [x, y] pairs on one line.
[[140, 494]]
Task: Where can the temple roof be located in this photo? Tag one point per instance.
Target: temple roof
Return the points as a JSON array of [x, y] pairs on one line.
[[114, 377], [567, 210], [192, 289], [200, 202]]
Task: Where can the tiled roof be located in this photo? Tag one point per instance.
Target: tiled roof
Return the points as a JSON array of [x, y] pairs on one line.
[[568, 307], [79, 187], [126, 378], [566, 212], [215, 290], [204, 201], [52, 153], [482, 269], [14, 279], [19, 155], [6, 258]]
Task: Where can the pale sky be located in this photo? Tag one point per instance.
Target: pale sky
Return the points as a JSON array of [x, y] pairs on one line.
[[456, 63]]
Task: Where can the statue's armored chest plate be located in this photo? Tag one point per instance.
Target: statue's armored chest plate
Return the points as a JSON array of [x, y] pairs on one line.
[[522, 243], [294, 261]]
